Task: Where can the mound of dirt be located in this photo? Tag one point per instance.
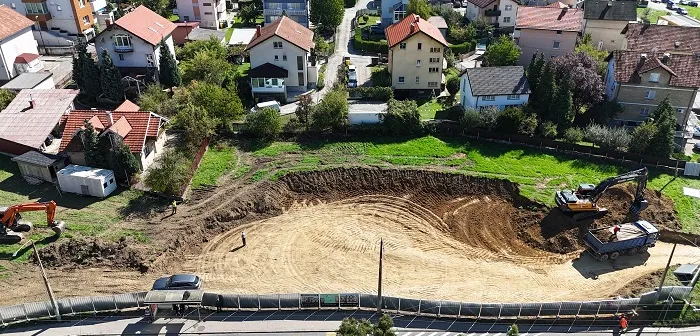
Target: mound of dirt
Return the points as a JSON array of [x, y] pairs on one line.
[[618, 199], [93, 252]]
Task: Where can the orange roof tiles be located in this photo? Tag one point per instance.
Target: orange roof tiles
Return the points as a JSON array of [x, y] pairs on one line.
[[128, 106], [409, 26], [12, 22], [547, 18], [146, 24], [143, 124], [26, 58], [286, 29]]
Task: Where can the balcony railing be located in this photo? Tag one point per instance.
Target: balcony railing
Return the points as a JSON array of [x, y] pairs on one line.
[[492, 12], [287, 11], [39, 17], [123, 49]]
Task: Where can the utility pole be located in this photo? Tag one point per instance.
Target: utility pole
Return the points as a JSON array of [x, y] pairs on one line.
[[379, 283], [668, 265], [46, 282]]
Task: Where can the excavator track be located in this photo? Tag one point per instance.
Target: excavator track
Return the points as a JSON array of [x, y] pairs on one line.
[[590, 214], [10, 238]]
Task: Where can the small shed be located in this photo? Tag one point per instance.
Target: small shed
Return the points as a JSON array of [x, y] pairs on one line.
[[86, 180], [36, 167]]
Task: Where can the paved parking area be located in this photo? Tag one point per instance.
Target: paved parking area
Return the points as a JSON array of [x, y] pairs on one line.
[[364, 69]]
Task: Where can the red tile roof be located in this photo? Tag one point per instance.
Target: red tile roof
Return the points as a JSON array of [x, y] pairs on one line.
[[684, 69], [671, 39], [286, 29], [12, 22], [400, 31], [128, 106], [142, 124], [557, 4], [26, 58], [146, 24], [545, 18], [481, 3]]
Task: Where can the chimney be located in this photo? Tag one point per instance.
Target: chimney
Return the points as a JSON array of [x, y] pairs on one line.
[[258, 31], [413, 27], [417, 18], [109, 116], [32, 102], [666, 58], [108, 22], [643, 56]]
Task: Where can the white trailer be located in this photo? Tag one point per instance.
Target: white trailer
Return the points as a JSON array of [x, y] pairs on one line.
[[86, 180]]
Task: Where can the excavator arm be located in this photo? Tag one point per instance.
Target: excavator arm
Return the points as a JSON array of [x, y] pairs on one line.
[[639, 175], [10, 225]]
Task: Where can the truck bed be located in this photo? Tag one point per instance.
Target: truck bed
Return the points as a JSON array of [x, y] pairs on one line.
[[627, 232]]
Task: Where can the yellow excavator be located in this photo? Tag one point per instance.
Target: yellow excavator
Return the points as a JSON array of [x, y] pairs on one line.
[[582, 203], [11, 226]]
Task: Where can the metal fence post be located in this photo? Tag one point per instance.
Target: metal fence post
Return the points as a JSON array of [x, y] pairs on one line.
[[319, 302], [559, 311], [259, 302], [520, 310], [299, 306], [279, 302], [479, 316], [500, 308], [459, 311], [539, 312], [419, 304], [598, 310], [239, 302], [580, 305]]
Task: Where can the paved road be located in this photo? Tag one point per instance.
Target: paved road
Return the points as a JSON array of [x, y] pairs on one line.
[[312, 323]]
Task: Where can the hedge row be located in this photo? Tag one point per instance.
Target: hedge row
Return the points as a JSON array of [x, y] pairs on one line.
[[350, 3], [462, 48], [378, 93], [369, 46]]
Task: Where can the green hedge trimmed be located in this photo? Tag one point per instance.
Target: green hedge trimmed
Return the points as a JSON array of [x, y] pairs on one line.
[[369, 46], [461, 48], [378, 93]]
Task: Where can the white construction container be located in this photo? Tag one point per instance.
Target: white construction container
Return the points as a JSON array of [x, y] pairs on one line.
[[86, 181]]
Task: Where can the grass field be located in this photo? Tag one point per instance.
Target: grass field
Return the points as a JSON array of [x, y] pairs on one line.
[[539, 173], [429, 108], [372, 20], [215, 163], [654, 14]]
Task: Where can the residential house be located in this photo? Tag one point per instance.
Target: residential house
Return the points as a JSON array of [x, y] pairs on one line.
[[500, 13], [33, 118], [393, 11], [493, 86], [70, 19], [606, 19], [297, 10], [440, 23], [15, 39], [547, 30], [280, 60], [133, 42], [209, 13], [143, 132], [101, 14], [672, 39], [415, 54]]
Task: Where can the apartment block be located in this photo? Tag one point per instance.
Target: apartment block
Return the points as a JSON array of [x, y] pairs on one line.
[[71, 19], [209, 13], [297, 10]]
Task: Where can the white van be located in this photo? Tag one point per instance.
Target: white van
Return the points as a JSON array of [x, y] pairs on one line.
[[273, 104]]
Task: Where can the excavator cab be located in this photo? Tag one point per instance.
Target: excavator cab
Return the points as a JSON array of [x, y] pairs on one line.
[[585, 189], [12, 226]]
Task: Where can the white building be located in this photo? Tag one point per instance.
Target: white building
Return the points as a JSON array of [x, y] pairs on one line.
[[207, 12], [15, 39], [280, 60], [133, 42], [500, 13], [86, 181], [69, 19], [494, 86]]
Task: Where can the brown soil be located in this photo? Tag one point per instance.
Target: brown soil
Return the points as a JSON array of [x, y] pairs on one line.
[[93, 252]]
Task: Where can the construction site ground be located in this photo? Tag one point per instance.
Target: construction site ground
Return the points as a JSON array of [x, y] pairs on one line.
[[454, 228]]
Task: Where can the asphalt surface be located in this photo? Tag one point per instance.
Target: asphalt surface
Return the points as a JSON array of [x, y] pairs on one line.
[[322, 323]]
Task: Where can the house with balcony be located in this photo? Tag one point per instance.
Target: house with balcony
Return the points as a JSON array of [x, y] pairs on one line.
[[393, 11], [133, 42], [500, 13], [551, 31], [297, 10], [67, 19], [416, 50], [502, 87], [604, 20], [209, 13], [280, 60], [17, 44]]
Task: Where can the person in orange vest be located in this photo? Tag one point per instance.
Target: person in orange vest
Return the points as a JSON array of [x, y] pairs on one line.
[[623, 324]]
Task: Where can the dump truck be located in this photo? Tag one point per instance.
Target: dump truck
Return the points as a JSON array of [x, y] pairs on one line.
[[628, 239]]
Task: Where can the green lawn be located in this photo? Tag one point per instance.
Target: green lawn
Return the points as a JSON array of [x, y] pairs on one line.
[[692, 11], [428, 108], [173, 18], [653, 14], [372, 20], [538, 173], [215, 163], [229, 32]]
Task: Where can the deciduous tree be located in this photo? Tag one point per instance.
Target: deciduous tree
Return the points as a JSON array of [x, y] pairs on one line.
[[453, 85], [327, 13], [169, 73], [642, 137], [169, 173], [111, 79], [419, 7], [503, 52], [587, 85], [6, 97], [304, 109], [196, 123], [206, 66], [248, 14], [158, 6], [332, 112], [402, 118], [264, 123]]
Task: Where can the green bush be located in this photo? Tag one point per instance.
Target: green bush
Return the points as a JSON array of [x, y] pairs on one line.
[[510, 119], [381, 76], [350, 4], [681, 156], [470, 119], [488, 117], [369, 46], [573, 135], [461, 48], [529, 125], [548, 130], [321, 77], [453, 85], [402, 118], [378, 93], [608, 138], [264, 123]]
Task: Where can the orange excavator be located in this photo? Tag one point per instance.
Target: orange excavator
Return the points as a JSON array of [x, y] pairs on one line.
[[11, 226]]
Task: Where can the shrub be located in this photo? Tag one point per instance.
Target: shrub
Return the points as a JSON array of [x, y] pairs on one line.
[[331, 112], [573, 135], [642, 137], [681, 156], [529, 125], [364, 17], [381, 76], [548, 129], [402, 118], [453, 85], [470, 119], [264, 123], [169, 173], [510, 119], [372, 93], [488, 117], [461, 48], [608, 138], [369, 46]]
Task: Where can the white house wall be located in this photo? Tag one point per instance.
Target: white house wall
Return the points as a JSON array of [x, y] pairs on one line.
[[13, 46], [265, 53], [61, 14], [186, 12], [136, 58], [476, 102], [504, 13]]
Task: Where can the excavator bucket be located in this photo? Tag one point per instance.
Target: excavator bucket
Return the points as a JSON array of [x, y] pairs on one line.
[[58, 227], [639, 205]]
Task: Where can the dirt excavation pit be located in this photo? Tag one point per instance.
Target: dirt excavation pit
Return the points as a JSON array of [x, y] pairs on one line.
[[446, 236]]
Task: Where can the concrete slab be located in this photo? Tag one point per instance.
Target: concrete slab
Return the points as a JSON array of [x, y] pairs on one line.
[[241, 36]]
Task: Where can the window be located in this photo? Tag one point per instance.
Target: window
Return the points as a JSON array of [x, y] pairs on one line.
[[294, 5], [417, 63], [398, 15], [208, 13], [284, 57], [104, 185], [277, 58], [433, 70], [86, 19], [654, 77], [82, 3], [555, 45], [121, 57], [300, 63], [420, 46], [680, 110], [206, 4], [509, 7], [122, 41], [506, 19], [36, 8], [650, 94], [187, 18], [432, 84], [558, 32], [277, 45], [417, 79], [402, 80], [274, 82], [513, 97], [489, 98], [402, 45], [59, 8], [644, 112], [111, 181], [434, 50], [434, 60], [149, 60]]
